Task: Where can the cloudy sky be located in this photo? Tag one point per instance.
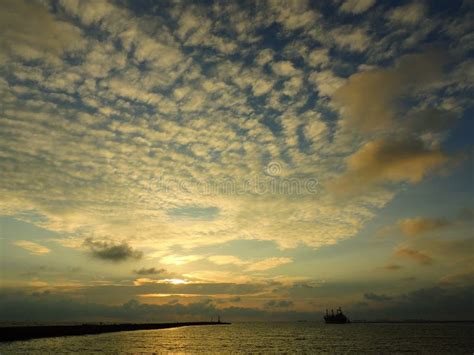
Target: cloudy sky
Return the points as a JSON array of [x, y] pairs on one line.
[[258, 159]]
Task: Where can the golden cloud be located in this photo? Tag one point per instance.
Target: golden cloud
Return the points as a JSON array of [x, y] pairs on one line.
[[386, 160], [33, 248], [30, 31], [356, 6], [269, 263], [392, 267], [414, 255], [369, 99], [419, 225]]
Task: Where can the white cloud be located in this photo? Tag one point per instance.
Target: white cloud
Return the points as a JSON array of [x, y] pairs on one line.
[[88, 11], [226, 259], [284, 68], [261, 87], [326, 82], [318, 57], [180, 259], [293, 86], [269, 263], [250, 266], [293, 15], [33, 248], [354, 39], [316, 130], [357, 6], [264, 56], [408, 14]]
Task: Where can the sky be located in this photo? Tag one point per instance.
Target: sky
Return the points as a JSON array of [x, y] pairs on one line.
[[261, 160]]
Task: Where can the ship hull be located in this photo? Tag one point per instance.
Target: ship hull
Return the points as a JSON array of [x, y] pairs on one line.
[[338, 318], [338, 321]]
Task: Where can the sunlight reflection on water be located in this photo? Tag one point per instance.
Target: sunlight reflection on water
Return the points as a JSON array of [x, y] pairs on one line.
[[309, 337]]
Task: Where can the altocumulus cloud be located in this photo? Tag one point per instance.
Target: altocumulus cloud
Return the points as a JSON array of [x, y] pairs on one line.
[[173, 101], [111, 252]]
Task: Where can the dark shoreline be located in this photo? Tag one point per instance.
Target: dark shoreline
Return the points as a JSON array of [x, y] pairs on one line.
[[15, 333]]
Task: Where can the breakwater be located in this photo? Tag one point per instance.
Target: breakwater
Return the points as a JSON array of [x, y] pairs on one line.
[[15, 333]]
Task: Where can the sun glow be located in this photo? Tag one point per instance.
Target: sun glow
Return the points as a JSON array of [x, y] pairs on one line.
[[163, 295], [145, 281], [175, 281]]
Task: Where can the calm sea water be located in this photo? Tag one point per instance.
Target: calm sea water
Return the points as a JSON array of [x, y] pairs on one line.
[[305, 337]]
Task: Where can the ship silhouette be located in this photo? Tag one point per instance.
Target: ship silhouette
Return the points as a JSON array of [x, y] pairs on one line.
[[338, 318]]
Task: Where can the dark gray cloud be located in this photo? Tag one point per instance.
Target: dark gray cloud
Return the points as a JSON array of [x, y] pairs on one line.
[[377, 298], [441, 303], [19, 306], [308, 290], [120, 293], [235, 299], [191, 288], [437, 302], [434, 303], [466, 214], [109, 251], [279, 304], [414, 255], [392, 267], [150, 271]]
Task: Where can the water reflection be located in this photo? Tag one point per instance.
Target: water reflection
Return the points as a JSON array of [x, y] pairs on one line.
[[266, 337]]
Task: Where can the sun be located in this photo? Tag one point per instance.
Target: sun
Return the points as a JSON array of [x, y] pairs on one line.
[[176, 281]]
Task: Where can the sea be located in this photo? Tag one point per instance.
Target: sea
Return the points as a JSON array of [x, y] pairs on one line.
[[260, 338]]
